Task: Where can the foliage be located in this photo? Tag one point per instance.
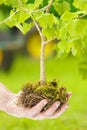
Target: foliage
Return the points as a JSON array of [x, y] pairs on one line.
[[66, 19]]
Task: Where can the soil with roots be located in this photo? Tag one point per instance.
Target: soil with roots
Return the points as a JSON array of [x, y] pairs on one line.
[[33, 93]]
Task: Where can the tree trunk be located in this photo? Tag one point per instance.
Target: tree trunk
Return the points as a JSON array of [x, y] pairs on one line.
[[42, 64]]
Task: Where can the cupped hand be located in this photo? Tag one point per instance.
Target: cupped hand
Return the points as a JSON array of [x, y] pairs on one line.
[[34, 113]]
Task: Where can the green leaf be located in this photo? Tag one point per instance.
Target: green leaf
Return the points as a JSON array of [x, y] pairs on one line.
[[73, 29], [47, 20], [48, 32], [65, 46], [81, 4], [77, 48], [30, 1], [61, 6], [17, 18], [13, 3], [24, 1], [33, 6], [84, 40], [23, 16], [38, 2], [12, 20], [25, 27], [69, 15], [81, 27]]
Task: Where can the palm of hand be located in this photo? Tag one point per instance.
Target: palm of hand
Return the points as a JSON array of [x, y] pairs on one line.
[[34, 113]]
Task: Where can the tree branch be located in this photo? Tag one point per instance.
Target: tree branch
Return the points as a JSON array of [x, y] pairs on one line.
[[39, 10], [48, 41], [9, 17], [49, 5], [42, 64], [38, 28], [82, 16], [20, 3], [46, 8]]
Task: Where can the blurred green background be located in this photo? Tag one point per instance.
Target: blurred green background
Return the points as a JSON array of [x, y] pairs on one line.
[[26, 69]]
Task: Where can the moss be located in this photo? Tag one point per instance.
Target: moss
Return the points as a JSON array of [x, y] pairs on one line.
[[33, 93]]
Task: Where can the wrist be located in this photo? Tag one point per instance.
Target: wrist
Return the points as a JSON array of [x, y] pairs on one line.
[[4, 97]]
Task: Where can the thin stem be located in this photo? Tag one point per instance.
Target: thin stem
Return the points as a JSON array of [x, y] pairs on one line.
[[38, 28], [49, 5], [82, 16], [39, 10], [43, 43], [20, 3], [42, 64], [48, 41], [9, 17], [46, 8]]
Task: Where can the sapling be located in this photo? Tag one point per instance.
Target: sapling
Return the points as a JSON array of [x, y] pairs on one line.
[[23, 12], [33, 93]]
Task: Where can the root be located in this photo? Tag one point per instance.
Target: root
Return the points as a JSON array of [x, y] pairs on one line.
[[33, 93]]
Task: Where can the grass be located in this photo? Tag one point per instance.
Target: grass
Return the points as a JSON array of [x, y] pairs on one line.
[[66, 70]]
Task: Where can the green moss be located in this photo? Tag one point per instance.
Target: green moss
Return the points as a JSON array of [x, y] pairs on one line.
[[33, 93]]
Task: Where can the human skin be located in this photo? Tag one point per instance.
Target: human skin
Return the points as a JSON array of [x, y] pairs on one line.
[[8, 104]]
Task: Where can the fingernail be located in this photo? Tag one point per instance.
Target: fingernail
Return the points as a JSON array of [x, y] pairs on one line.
[[45, 102], [67, 105], [57, 105], [70, 94]]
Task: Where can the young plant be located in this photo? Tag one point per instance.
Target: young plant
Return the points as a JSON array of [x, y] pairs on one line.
[[61, 19], [33, 93]]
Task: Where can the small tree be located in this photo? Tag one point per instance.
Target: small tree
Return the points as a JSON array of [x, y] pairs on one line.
[[61, 19]]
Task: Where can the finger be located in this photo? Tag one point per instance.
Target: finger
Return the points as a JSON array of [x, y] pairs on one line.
[[38, 117], [69, 94], [48, 112], [52, 109], [37, 108], [60, 111]]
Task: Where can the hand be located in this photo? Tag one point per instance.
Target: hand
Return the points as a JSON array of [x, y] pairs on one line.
[[33, 113]]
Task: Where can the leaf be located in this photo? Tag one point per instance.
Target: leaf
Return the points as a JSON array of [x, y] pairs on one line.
[[69, 15], [17, 18], [47, 20], [81, 4], [34, 6], [81, 27], [23, 16], [12, 3], [12, 19], [30, 1], [73, 29], [61, 6], [65, 46], [38, 2], [24, 1], [77, 48], [48, 32], [25, 27]]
